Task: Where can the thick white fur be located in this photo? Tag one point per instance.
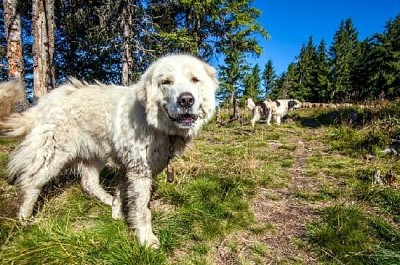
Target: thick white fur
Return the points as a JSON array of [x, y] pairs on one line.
[[85, 124], [276, 109]]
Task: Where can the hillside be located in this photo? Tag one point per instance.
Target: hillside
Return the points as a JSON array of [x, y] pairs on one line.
[[299, 193]]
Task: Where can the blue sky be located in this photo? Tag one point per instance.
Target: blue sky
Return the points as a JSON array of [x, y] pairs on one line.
[[290, 24]]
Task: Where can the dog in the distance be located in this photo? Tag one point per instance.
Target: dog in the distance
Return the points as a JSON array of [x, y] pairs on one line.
[[141, 128], [271, 109]]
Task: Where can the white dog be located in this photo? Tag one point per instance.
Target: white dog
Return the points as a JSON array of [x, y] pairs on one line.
[[268, 108], [140, 127]]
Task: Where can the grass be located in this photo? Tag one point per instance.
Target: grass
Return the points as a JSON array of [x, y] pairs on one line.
[[349, 235], [212, 213]]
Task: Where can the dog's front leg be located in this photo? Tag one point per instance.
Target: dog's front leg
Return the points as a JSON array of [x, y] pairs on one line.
[[278, 119], [269, 117], [139, 215]]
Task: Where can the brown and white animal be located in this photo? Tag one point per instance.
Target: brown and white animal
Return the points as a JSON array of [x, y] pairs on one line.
[[80, 124], [271, 109]]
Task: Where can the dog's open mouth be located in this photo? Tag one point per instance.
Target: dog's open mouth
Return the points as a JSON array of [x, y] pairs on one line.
[[186, 119], [183, 120]]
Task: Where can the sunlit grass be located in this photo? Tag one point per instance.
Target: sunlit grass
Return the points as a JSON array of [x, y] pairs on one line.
[[346, 234]]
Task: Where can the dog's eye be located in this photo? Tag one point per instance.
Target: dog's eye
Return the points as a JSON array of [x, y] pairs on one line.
[[195, 80], [166, 82]]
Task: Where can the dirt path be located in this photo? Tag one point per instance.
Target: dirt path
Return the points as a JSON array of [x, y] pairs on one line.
[[288, 213], [285, 212]]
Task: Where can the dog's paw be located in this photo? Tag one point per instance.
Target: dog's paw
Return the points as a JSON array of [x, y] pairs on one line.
[[149, 240], [117, 214], [116, 209], [25, 221]]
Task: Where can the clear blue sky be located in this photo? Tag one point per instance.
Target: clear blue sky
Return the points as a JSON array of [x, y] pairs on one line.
[[291, 22]]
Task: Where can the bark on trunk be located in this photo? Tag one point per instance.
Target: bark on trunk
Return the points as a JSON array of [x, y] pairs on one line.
[[43, 46], [14, 43], [127, 61]]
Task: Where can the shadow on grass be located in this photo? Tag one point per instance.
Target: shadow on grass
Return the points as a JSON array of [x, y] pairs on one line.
[[351, 116]]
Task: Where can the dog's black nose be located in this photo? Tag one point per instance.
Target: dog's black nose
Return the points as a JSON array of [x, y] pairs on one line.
[[186, 100]]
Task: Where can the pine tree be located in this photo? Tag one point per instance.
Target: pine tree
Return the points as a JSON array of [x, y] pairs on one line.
[[384, 59], [362, 72], [252, 84], [344, 54], [269, 78], [237, 27], [286, 84], [306, 71], [321, 88]]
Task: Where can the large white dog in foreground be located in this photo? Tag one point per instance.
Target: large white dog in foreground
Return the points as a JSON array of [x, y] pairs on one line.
[[268, 108], [140, 127]]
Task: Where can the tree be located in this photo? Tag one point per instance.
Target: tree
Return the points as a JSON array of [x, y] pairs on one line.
[[43, 46], [127, 34], [286, 84], [13, 34], [321, 89], [236, 29], [269, 78], [89, 40], [231, 73], [344, 53], [185, 26], [384, 60], [306, 71], [252, 84]]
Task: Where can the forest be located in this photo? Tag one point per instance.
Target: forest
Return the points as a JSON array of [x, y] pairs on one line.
[[114, 41]]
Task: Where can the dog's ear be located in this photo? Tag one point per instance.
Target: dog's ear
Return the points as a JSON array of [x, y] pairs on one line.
[[250, 104], [211, 72], [145, 84], [291, 104]]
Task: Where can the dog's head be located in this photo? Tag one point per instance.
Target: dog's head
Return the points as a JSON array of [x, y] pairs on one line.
[[250, 104], [294, 104], [178, 92]]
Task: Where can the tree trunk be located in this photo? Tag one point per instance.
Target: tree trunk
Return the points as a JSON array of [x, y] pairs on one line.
[[235, 114], [14, 43], [43, 46], [127, 62]]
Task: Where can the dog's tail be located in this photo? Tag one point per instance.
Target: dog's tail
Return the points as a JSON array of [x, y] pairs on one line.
[[16, 124], [250, 104], [13, 100], [12, 97]]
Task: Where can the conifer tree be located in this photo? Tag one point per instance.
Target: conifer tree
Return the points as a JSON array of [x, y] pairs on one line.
[[252, 84], [286, 84], [384, 60], [343, 53], [269, 78], [306, 71], [237, 27], [321, 89]]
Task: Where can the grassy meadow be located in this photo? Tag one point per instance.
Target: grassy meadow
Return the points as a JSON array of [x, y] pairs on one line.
[[299, 193]]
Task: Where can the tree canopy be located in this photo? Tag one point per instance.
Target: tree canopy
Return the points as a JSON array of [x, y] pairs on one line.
[[103, 40]]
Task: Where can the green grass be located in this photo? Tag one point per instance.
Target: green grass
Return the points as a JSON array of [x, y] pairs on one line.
[[349, 235], [209, 213], [75, 230]]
